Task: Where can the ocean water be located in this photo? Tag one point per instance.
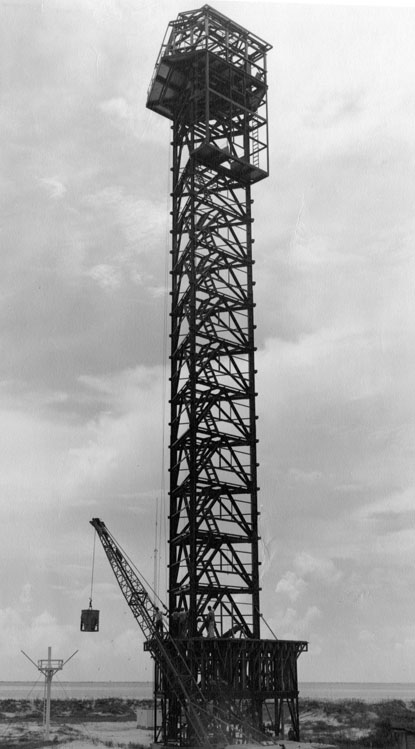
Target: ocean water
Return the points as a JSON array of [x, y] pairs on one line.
[[368, 692], [22, 690], [140, 690]]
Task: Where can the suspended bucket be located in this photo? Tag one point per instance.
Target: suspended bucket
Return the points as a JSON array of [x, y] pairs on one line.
[[90, 620], [90, 617]]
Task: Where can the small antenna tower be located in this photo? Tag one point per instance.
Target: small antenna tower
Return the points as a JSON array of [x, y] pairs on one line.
[[48, 668]]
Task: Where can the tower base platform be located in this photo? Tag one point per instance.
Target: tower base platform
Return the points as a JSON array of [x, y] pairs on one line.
[[247, 690]]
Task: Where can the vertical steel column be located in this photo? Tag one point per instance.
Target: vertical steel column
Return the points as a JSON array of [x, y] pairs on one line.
[[210, 80]]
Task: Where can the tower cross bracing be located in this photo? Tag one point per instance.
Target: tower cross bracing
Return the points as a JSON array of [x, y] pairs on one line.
[[210, 81]]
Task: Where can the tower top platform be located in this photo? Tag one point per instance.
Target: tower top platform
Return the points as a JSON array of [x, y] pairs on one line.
[[210, 78], [196, 32]]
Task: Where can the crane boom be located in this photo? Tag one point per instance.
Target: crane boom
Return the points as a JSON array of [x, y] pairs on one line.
[[167, 653], [132, 587]]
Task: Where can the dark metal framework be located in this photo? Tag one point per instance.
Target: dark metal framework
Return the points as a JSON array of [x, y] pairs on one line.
[[239, 690], [208, 691], [210, 80]]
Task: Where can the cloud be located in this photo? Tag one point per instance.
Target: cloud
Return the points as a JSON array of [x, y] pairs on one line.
[[32, 633], [54, 186], [121, 114], [136, 216], [68, 466], [332, 108], [398, 503], [318, 568], [308, 477], [26, 596], [106, 276], [366, 636], [291, 624], [133, 227], [127, 428], [291, 585]]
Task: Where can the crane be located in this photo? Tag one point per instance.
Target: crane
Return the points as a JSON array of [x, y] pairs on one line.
[[183, 702]]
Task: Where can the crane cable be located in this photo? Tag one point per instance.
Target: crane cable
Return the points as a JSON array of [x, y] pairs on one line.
[[93, 568]]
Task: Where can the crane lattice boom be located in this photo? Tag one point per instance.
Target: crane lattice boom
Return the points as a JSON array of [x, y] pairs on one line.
[[190, 704]]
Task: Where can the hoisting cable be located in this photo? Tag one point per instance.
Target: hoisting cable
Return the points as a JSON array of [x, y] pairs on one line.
[[93, 567]]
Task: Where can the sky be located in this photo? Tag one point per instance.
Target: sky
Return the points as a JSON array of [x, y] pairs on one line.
[[85, 185]]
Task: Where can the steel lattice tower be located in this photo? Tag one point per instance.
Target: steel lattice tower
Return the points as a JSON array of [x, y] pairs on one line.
[[210, 80]]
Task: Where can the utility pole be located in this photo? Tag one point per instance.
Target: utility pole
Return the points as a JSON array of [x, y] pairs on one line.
[[48, 668]]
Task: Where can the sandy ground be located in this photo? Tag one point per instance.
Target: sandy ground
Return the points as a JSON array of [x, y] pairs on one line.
[[87, 744], [123, 735], [82, 736], [122, 742]]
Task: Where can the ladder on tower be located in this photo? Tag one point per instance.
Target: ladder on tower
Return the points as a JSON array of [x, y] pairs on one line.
[[255, 150]]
